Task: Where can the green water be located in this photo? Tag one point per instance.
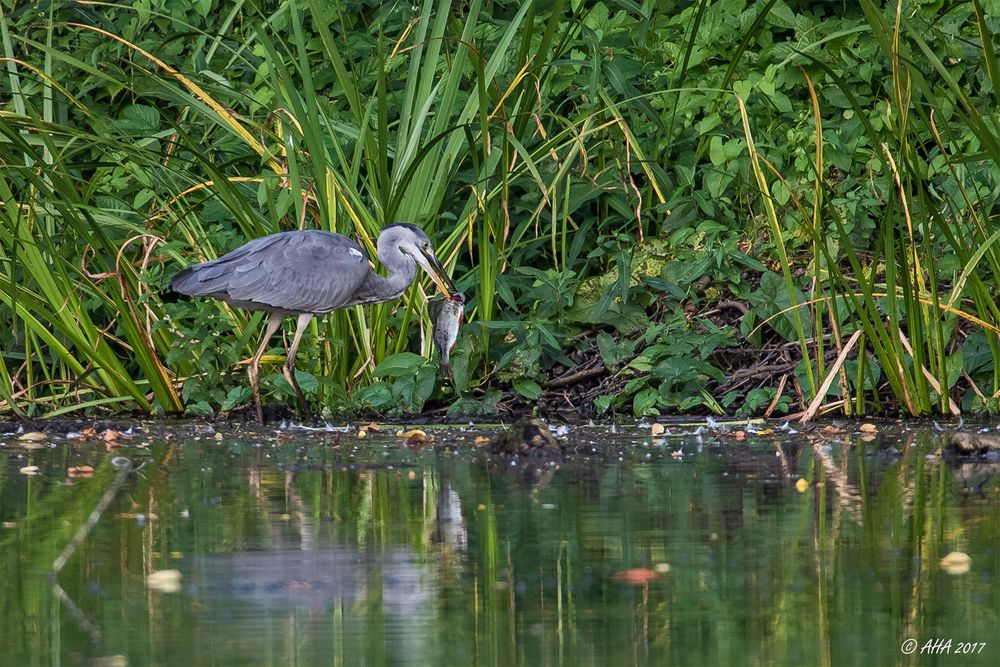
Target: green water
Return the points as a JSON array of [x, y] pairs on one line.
[[319, 549]]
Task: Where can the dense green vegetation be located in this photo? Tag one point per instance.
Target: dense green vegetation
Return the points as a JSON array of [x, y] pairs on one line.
[[716, 206]]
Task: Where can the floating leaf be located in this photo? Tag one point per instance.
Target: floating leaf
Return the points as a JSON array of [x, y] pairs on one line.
[[33, 436], [868, 428], [414, 435]]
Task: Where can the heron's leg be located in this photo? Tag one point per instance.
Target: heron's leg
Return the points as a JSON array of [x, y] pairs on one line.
[[289, 369], [253, 370]]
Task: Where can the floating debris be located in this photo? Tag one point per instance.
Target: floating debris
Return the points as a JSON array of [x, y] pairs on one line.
[[637, 576], [165, 581], [802, 485], [561, 431], [868, 428], [33, 436], [30, 470], [325, 428], [657, 429], [956, 562]]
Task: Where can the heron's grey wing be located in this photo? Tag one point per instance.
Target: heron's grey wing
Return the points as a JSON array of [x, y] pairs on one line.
[[297, 272], [301, 272], [212, 278]]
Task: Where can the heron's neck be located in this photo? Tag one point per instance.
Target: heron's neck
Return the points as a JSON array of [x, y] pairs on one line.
[[376, 288]]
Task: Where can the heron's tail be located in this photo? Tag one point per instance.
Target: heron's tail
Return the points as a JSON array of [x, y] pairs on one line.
[[205, 279], [185, 282]]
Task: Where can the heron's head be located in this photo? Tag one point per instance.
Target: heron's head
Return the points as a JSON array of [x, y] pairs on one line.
[[412, 241]]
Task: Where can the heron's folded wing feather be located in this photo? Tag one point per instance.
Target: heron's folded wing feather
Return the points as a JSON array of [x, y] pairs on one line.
[[304, 272]]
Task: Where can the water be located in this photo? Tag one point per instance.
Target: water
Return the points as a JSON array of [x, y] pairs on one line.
[[307, 548]]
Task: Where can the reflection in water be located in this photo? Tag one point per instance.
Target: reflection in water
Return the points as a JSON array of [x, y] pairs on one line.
[[307, 552]]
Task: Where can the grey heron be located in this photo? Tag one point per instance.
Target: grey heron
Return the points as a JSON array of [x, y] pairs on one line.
[[308, 273]]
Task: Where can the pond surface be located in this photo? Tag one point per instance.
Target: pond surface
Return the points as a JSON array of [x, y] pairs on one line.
[[302, 547]]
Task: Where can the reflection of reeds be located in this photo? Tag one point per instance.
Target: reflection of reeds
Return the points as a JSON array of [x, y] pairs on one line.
[[836, 478]]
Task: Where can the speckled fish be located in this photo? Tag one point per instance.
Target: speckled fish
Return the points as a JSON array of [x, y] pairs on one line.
[[446, 316]]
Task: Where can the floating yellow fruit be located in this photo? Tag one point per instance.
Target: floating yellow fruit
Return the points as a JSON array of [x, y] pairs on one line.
[[957, 562], [802, 485], [363, 433], [868, 428], [657, 429]]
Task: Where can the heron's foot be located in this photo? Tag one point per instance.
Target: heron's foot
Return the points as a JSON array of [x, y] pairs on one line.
[[253, 374], [289, 373]]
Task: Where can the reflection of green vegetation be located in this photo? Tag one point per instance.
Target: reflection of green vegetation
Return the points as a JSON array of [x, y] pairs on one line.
[[758, 572]]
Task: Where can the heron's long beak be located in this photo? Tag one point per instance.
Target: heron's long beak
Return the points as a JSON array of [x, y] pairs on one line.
[[437, 273]]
